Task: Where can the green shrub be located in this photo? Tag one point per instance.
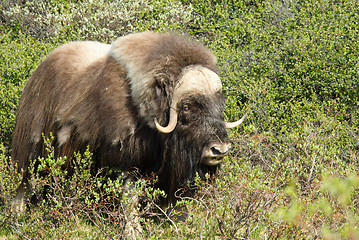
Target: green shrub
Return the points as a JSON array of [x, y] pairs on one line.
[[94, 20], [19, 57], [60, 202], [9, 182], [330, 212], [285, 53]]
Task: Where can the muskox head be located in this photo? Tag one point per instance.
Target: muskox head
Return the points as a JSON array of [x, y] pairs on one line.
[[196, 130], [196, 109]]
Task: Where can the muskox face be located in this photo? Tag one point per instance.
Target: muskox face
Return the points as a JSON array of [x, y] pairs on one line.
[[201, 118], [197, 112], [196, 136]]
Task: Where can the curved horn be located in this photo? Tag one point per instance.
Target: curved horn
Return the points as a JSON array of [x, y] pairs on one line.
[[171, 124], [236, 123]]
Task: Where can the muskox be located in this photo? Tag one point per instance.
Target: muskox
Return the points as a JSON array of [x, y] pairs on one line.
[[149, 101]]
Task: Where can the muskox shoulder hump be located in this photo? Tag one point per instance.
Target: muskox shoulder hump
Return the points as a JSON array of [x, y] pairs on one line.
[[154, 63]]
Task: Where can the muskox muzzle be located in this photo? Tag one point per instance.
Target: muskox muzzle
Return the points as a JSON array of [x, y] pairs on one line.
[[212, 154]]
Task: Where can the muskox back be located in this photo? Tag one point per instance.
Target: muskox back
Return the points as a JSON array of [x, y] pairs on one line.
[[116, 98]]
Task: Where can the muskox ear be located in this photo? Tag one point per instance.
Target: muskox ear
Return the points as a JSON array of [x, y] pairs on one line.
[[163, 96]]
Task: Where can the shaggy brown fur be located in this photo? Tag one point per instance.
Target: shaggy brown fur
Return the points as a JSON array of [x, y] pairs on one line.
[[107, 97]]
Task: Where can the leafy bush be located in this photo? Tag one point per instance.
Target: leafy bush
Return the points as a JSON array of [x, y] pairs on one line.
[[93, 20], [56, 200], [285, 53], [9, 182], [19, 56]]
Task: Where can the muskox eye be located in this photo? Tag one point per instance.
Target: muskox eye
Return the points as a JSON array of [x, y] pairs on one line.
[[185, 108]]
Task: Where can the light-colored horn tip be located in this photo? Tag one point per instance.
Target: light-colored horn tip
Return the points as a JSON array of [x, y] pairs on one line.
[[167, 129], [236, 123]]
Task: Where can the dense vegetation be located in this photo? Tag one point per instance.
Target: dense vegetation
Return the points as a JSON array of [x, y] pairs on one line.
[[293, 172]]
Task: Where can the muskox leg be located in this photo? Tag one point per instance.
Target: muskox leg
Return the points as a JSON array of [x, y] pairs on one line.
[[18, 204], [133, 228], [177, 213], [33, 152]]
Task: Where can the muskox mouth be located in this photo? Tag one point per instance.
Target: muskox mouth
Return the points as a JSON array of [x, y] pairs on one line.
[[211, 161]]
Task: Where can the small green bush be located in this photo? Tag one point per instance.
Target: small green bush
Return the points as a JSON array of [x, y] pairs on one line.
[[86, 198], [94, 20], [329, 213], [9, 182], [277, 56], [19, 57]]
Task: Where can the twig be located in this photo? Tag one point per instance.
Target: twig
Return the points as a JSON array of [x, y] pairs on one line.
[[86, 213], [168, 218], [200, 203]]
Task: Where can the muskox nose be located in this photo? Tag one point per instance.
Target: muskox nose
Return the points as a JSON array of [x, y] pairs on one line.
[[212, 154], [220, 149]]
